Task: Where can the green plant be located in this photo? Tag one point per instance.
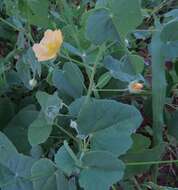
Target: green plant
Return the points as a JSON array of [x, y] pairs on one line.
[[88, 117]]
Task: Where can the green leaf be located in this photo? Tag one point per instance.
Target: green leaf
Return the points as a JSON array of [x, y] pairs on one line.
[[50, 105], [118, 18], [101, 114], [64, 161], [36, 152], [7, 113], [101, 3], [24, 72], [36, 12], [11, 7], [15, 168], [30, 59], [108, 139], [123, 69], [142, 155], [27, 66], [5, 176], [70, 80], [172, 13], [39, 130], [159, 85], [103, 80], [170, 32], [140, 142], [17, 129], [21, 40], [127, 15], [173, 124], [137, 62], [107, 121], [170, 50], [100, 175], [49, 178], [18, 168], [5, 143], [100, 27], [71, 49]]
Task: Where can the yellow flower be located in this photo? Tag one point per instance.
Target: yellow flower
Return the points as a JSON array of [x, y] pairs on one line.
[[49, 46], [135, 87]]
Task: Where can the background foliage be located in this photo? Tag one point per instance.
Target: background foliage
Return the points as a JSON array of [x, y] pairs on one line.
[[80, 127]]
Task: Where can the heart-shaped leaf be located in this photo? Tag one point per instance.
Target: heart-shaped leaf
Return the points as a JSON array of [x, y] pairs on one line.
[[106, 121], [100, 175]]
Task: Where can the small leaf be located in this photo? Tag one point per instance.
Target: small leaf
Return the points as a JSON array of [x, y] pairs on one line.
[[140, 142], [103, 80], [64, 161], [70, 80], [39, 130], [122, 69], [50, 105]]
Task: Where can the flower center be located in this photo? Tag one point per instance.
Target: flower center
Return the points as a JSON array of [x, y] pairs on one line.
[[52, 48]]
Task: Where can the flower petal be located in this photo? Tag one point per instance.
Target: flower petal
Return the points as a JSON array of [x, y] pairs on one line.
[[40, 52]]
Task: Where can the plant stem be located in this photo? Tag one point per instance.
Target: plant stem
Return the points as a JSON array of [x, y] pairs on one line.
[[29, 35], [136, 183], [90, 88], [75, 61], [66, 132], [151, 163], [110, 90], [9, 24]]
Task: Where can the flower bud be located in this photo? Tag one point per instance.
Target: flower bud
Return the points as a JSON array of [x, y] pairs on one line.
[[135, 87], [33, 82]]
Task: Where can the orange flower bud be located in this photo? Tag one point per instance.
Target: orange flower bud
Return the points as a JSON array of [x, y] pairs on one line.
[[135, 87]]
